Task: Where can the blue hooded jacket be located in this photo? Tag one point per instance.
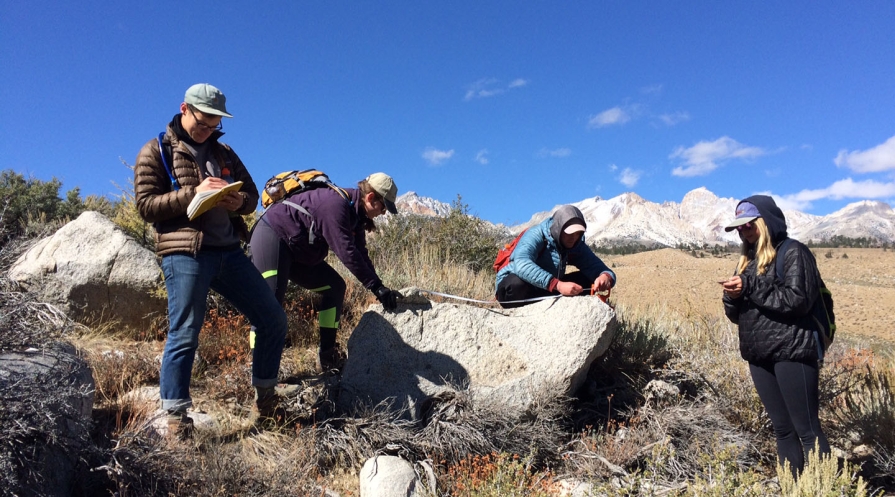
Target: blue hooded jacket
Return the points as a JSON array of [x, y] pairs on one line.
[[539, 257]]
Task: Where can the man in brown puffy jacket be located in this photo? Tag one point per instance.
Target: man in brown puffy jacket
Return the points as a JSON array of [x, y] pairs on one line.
[[204, 253]]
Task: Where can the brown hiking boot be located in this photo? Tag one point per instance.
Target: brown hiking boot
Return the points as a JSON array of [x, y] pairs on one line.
[[180, 426], [330, 359], [267, 405]]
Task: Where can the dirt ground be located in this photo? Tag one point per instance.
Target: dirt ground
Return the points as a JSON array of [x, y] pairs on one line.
[[862, 282]]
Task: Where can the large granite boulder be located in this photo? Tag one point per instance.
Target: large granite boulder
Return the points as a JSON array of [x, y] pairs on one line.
[[91, 269], [510, 357]]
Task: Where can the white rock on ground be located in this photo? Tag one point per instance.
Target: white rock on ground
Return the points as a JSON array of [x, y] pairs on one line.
[[389, 476]]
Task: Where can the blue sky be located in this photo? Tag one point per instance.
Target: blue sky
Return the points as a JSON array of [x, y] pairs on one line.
[[516, 106]]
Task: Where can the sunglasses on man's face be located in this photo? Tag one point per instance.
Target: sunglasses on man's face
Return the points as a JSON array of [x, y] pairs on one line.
[[747, 226]]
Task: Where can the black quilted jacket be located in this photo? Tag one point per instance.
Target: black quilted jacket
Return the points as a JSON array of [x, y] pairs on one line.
[[772, 316]]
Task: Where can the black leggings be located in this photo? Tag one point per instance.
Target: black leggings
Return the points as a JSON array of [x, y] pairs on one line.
[[513, 288], [274, 260], [789, 393]]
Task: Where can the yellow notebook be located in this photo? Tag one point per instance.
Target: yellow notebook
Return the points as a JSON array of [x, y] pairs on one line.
[[208, 199]]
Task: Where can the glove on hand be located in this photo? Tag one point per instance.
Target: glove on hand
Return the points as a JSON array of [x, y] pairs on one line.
[[388, 297]]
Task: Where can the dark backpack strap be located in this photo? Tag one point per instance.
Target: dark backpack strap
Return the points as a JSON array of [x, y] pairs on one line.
[[304, 211], [818, 314], [779, 268], [161, 150]]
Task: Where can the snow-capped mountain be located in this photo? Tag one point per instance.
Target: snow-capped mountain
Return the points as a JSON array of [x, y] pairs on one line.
[[699, 218], [866, 218], [412, 203], [629, 218]]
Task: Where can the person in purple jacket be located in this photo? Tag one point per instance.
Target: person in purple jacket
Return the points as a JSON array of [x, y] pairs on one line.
[[293, 237]]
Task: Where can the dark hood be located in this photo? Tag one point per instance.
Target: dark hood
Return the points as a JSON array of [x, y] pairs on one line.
[[561, 217], [772, 215]]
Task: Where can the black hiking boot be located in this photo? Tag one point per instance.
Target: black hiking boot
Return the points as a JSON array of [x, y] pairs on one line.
[[330, 359]]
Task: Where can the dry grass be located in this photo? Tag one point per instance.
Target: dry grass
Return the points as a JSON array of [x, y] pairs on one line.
[[609, 434], [426, 269], [498, 475], [671, 329], [260, 465], [686, 285], [120, 367]]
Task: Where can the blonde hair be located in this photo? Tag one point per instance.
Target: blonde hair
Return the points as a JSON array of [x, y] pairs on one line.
[[764, 252]]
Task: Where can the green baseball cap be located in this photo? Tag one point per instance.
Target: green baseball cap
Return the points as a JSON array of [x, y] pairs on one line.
[[207, 99]]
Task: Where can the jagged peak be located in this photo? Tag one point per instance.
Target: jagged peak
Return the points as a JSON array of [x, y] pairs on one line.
[[631, 198], [875, 206], [413, 203], [700, 193]]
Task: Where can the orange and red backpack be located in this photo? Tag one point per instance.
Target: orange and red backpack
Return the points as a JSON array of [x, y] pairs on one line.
[[503, 255]]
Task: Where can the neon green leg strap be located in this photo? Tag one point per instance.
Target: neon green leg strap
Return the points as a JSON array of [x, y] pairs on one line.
[[265, 275], [327, 318]]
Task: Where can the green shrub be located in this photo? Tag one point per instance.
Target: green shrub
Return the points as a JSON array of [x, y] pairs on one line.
[[822, 477], [723, 476], [461, 239], [858, 397], [27, 200], [127, 217]]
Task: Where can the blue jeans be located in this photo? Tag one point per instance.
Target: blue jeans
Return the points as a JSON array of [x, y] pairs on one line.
[[231, 274]]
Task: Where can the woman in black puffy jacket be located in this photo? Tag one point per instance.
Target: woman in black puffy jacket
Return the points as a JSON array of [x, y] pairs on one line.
[[776, 335]]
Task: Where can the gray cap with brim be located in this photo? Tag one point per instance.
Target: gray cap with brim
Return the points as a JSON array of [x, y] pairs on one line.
[[207, 99], [746, 213]]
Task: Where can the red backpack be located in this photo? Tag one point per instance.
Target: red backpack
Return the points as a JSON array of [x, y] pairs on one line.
[[503, 255]]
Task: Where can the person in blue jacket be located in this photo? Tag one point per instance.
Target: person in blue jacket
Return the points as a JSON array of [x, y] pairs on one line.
[[537, 266]]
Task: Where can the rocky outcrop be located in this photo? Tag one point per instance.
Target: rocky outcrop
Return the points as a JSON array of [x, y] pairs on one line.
[[47, 404], [509, 357], [90, 269]]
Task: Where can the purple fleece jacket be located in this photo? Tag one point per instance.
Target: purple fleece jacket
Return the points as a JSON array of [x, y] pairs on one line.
[[337, 225]]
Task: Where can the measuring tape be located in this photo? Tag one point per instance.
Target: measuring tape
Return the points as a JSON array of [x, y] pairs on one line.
[[603, 296]]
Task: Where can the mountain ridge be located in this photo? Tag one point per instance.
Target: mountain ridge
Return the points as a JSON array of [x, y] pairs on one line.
[[699, 218]]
